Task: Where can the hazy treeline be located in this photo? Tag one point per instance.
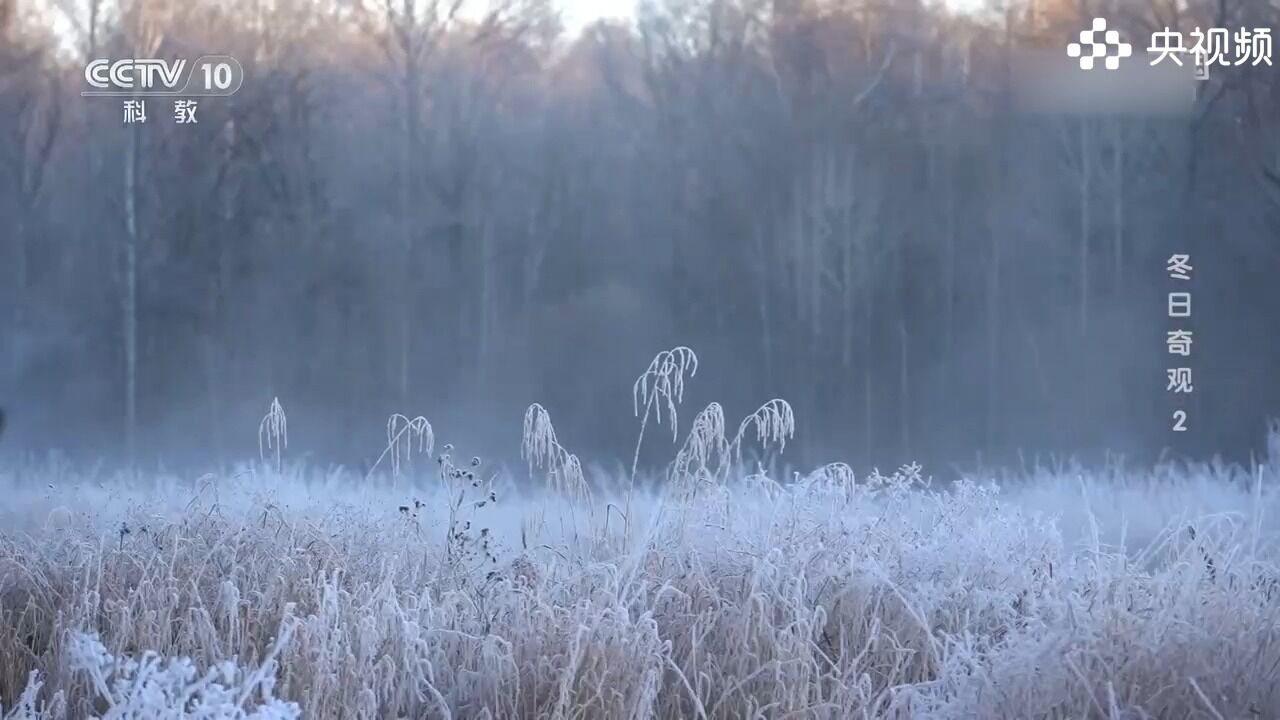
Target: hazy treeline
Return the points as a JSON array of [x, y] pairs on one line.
[[456, 214]]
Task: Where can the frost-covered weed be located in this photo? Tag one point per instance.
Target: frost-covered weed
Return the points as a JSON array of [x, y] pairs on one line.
[[157, 688], [830, 596], [736, 595]]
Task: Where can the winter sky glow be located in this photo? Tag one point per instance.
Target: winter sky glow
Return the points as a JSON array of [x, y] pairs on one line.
[[578, 13]]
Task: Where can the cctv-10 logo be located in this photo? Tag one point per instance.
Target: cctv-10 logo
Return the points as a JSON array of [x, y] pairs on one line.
[[208, 76]]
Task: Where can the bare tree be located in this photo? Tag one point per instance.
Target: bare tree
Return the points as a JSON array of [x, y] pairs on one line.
[[142, 36], [30, 96]]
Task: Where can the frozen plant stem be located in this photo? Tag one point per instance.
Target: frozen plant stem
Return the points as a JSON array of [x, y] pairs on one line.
[[273, 433], [401, 434], [541, 448], [660, 387]]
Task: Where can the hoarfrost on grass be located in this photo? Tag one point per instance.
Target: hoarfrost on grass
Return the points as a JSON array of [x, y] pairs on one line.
[[725, 594], [828, 596], [156, 688]]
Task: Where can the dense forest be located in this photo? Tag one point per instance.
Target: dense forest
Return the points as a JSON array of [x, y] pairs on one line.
[[416, 206]]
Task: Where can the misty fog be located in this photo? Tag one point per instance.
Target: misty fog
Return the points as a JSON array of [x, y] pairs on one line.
[[834, 203]]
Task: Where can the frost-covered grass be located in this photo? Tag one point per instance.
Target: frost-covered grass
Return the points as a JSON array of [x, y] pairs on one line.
[[454, 591], [832, 597]]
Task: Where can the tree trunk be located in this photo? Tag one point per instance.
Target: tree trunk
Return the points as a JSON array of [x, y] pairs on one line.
[[1117, 170], [486, 316], [408, 196], [214, 337], [20, 290], [993, 339], [949, 205], [1086, 189], [904, 390], [762, 305], [130, 296], [868, 370]]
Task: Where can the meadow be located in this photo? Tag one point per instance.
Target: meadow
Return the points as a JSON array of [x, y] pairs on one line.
[[438, 586]]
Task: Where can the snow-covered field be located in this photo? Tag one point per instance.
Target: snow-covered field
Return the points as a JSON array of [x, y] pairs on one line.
[[293, 594], [439, 587]]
